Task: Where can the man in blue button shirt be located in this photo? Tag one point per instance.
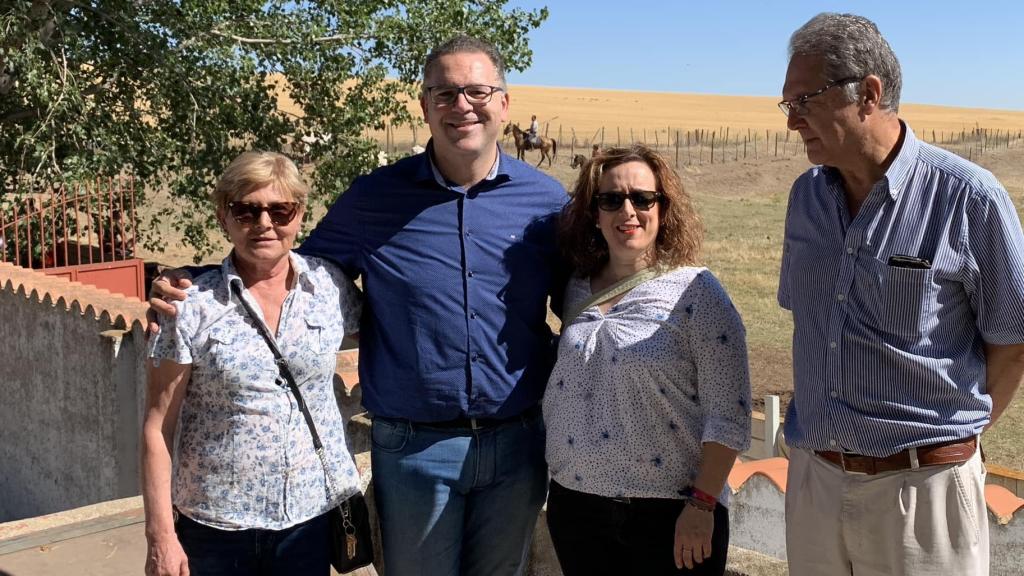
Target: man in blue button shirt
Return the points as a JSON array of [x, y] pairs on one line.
[[903, 266], [456, 250]]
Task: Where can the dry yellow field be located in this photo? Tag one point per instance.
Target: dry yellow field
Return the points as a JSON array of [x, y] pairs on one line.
[[587, 110]]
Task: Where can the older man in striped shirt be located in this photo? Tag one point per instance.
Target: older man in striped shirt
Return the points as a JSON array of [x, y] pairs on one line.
[[903, 266]]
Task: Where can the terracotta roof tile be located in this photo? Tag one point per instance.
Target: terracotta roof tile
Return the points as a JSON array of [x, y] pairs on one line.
[[347, 368], [1002, 503], [74, 297], [772, 468]]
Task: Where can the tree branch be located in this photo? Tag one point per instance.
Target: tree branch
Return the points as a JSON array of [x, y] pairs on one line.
[[244, 40]]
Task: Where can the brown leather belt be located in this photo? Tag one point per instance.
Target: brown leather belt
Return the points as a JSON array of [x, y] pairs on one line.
[[955, 452]]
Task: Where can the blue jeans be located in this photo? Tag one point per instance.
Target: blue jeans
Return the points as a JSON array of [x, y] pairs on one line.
[[458, 501], [301, 550]]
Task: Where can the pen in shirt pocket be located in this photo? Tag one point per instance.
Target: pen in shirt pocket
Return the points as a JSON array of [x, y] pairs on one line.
[[904, 261]]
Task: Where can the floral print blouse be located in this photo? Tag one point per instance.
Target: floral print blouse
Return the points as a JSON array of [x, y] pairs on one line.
[[637, 391], [243, 455]]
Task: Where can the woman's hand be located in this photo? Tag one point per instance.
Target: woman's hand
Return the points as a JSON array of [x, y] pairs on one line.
[[693, 537], [166, 557]]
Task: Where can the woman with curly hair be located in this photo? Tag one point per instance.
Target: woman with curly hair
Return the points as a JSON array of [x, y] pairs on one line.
[[649, 402]]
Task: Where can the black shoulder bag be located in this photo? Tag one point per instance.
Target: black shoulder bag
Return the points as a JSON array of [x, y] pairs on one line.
[[351, 537]]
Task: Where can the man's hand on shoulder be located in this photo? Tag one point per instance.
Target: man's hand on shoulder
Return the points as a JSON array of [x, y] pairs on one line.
[[168, 287]]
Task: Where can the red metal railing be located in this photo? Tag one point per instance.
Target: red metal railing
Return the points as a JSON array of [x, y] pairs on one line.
[[58, 228]]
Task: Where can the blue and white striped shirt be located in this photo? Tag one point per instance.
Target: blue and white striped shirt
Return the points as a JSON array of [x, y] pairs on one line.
[[887, 358]]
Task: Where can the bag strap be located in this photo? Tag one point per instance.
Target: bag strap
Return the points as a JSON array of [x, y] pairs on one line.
[[620, 287], [286, 373]]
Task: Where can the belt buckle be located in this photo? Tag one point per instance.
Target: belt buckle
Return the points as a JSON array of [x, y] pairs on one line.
[[473, 425]]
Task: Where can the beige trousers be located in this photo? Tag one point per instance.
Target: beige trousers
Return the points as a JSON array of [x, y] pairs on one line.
[[927, 521]]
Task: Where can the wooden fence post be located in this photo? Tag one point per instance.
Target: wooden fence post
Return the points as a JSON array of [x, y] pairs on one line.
[[712, 147], [771, 424], [677, 148]]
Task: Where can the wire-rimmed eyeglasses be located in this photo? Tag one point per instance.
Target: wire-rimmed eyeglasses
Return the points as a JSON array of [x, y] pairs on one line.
[[446, 95], [798, 105]]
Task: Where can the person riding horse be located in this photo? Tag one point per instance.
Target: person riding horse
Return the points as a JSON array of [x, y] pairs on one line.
[[533, 140], [548, 146]]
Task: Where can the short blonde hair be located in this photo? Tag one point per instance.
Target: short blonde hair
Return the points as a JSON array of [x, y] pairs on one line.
[[254, 170]]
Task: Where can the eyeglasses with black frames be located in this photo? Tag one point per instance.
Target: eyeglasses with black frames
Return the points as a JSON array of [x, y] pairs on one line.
[[246, 213], [642, 200], [446, 95], [798, 105]]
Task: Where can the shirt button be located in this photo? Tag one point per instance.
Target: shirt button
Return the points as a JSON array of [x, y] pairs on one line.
[[470, 273], [849, 250], [832, 443], [834, 394], [832, 345], [840, 297], [475, 357], [472, 315]]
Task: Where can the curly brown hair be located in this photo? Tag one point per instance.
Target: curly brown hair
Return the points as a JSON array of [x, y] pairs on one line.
[[680, 232]]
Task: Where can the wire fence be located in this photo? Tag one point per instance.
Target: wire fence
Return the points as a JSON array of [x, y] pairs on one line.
[[726, 144]]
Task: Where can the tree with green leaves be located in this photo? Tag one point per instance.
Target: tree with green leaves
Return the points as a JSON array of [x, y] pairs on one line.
[[171, 90]]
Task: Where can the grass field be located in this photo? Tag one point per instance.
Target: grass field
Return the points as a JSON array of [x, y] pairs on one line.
[[742, 202]]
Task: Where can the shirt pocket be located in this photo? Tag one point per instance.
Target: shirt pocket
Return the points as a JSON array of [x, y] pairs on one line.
[[906, 299], [317, 338]]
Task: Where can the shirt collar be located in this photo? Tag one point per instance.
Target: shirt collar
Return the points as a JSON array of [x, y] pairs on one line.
[[899, 172], [902, 166], [298, 263], [435, 173]]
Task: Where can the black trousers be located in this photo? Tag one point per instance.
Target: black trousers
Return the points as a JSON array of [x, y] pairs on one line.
[[594, 535]]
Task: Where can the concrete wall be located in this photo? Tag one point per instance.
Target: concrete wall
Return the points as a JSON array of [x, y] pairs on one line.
[[70, 389]]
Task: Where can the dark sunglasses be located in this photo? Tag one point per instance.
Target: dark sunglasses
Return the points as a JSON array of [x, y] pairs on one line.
[[281, 213], [640, 199]]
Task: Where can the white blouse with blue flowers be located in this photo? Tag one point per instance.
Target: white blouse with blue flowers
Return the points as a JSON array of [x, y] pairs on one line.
[[243, 455], [638, 390]]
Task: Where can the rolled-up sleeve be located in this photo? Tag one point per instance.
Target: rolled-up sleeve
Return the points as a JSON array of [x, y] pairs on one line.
[[174, 341], [994, 264], [719, 345]]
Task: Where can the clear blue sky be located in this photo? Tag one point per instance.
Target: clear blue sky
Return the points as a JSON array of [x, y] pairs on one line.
[[955, 53]]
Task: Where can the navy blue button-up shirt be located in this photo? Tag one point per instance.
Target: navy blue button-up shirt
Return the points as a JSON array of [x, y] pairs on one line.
[[887, 357], [456, 283]]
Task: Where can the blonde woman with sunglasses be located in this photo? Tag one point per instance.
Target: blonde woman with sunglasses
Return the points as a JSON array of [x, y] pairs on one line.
[[245, 492]]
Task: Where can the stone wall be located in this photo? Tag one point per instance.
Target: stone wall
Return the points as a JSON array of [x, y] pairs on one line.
[[70, 378]]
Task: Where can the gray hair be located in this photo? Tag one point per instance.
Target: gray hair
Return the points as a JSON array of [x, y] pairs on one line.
[[461, 45], [852, 47]]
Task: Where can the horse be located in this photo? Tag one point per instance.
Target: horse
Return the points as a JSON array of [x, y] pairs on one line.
[[578, 160], [523, 144]]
